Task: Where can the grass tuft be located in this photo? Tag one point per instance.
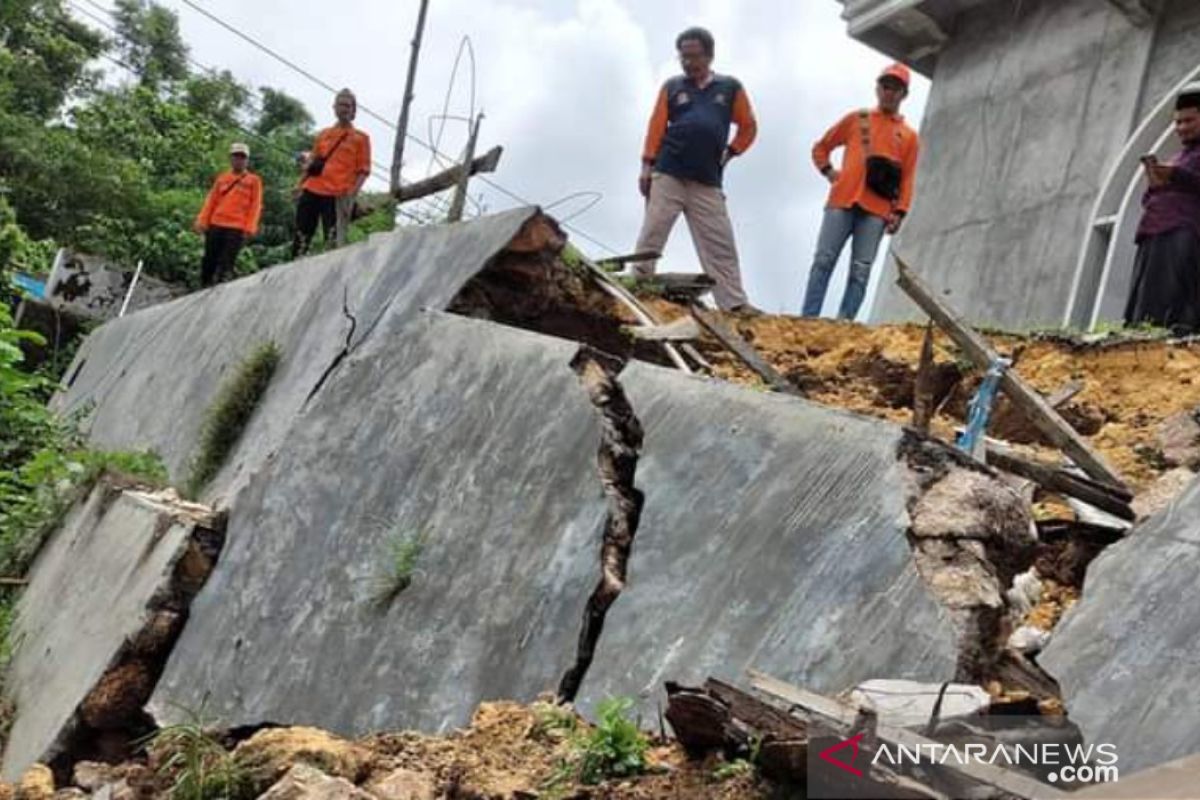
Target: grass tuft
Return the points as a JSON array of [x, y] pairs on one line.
[[400, 564], [228, 415], [197, 764]]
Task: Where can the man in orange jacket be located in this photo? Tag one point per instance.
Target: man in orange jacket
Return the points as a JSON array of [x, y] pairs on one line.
[[230, 215], [870, 194], [683, 161], [334, 175]]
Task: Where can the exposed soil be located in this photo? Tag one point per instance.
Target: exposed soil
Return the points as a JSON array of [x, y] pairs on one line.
[[509, 752], [1129, 388]]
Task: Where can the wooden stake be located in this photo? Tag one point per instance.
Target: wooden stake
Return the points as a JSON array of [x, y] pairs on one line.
[[458, 204]]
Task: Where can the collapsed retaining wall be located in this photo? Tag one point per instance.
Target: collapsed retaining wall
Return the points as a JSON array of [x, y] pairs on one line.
[[775, 533], [1128, 654], [145, 380], [107, 598]]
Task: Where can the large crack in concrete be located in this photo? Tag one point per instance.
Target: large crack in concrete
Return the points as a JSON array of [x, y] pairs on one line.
[[621, 438], [341, 355], [971, 534]]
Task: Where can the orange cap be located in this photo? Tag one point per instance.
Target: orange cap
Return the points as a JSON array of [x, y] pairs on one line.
[[899, 72]]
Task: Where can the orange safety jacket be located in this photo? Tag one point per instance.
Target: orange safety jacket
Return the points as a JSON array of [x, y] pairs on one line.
[[235, 201], [347, 154], [890, 136]]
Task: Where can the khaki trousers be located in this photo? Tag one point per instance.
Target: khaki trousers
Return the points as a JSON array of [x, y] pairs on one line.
[[712, 233]]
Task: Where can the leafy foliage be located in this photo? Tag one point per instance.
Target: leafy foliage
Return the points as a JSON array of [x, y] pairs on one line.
[[229, 413], [614, 748], [120, 168]]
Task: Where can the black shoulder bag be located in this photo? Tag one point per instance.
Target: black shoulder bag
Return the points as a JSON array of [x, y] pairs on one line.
[[317, 165], [884, 175]]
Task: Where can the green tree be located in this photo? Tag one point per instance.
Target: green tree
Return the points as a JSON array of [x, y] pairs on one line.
[[282, 111], [149, 41], [43, 57]]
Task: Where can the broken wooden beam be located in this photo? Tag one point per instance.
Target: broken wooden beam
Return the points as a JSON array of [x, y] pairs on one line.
[[842, 717], [618, 263], [450, 177], [1024, 397], [1055, 479], [711, 322], [1065, 394], [684, 329]]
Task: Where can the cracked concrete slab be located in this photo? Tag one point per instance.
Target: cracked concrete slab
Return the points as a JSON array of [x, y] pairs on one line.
[[114, 569], [144, 381], [1127, 655], [773, 537], [483, 438]]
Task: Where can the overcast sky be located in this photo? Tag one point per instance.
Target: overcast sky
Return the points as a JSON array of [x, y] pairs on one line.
[[567, 88]]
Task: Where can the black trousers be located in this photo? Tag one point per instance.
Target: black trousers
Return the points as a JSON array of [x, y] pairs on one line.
[[221, 248], [310, 209], [1166, 282]]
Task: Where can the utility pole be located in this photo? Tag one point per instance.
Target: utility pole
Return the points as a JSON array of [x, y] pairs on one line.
[[402, 125], [460, 192]]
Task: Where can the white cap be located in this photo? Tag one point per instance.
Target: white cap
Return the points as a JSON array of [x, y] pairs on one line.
[[239, 148]]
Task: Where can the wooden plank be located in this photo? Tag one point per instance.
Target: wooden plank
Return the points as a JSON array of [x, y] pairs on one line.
[[1024, 397], [617, 263], [1055, 479], [1065, 394], [843, 717], [744, 351], [923, 386], [444, 180], [683, 329]]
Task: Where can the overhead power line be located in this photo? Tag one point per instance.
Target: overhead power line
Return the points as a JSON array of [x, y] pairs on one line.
[[432, 205], [373, 114]]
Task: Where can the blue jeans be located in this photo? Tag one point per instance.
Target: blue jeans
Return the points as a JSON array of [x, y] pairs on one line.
[[839, 225]]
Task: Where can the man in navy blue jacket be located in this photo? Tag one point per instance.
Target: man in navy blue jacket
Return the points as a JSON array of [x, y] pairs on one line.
[[687, 148]]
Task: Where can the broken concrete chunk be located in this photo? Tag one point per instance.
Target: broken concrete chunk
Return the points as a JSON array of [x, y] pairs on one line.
[[37, 783], [1026, 592], [303, 782], [268, 754], [1128, 650], [1028, 639], [967, 504], [91, 775], [403, 784], [90, 624], [1179, 439], [959, 573], [909, 703], [1159, 494]]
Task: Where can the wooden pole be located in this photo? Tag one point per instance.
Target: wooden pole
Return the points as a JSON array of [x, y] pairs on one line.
[[402, 124], [458, 205]]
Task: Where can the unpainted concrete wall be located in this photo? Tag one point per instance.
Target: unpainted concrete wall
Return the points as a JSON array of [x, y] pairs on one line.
[[1030, 103]]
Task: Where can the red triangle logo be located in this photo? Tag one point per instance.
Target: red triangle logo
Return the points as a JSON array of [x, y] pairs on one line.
[[852, 742]]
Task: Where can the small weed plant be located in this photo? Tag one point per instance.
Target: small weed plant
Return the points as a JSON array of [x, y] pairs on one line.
[[400, 565], [197, 765]]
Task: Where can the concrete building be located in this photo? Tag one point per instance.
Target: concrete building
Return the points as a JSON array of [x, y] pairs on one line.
[[1029, 187]]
